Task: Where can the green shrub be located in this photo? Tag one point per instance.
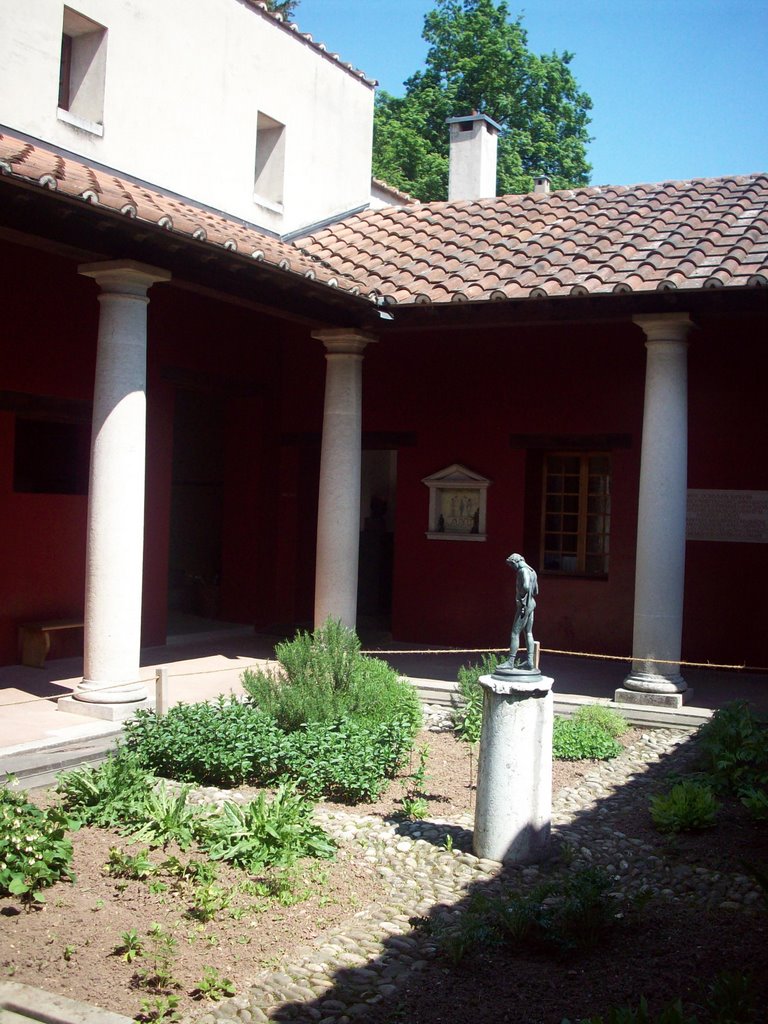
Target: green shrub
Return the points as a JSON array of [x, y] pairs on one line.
[[346, 760], [230, 743], [687, 807], [34, 850], [734, 744], [468, 707], [325, 679], [575, 739], [607, 719], [222, 744]]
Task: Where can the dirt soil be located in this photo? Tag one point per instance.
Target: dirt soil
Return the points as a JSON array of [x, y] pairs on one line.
[[72, 945]]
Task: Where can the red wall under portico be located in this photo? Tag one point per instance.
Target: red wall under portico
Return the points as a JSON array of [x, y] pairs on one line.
[[50, 320], [463, 395]]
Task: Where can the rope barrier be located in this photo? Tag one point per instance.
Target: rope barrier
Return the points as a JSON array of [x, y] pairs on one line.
[[376, 652]]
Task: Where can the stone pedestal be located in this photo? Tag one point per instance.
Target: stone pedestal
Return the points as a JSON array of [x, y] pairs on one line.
[[513, 811]]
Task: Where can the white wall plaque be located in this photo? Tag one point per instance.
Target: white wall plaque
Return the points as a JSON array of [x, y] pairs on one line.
[[739, 517], [457, 499]]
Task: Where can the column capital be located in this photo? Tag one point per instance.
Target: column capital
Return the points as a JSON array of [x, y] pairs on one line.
[[345, 340], [127, 277], [664, 326]]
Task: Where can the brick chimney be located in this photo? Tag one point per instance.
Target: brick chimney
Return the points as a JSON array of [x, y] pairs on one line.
[[472, 157]]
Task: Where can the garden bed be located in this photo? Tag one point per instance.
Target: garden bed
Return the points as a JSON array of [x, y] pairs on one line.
[[68, 944]]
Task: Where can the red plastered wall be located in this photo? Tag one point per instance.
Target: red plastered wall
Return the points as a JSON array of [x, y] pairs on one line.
[[726, 584], [463, 398], [49, 317]]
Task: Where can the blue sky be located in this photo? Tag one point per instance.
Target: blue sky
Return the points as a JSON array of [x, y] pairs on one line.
[[680, 87]]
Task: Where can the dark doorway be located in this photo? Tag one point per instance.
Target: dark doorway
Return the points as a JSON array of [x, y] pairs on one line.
[[377, 536], [196, 508]]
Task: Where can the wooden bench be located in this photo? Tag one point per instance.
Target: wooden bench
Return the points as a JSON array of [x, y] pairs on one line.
[[35, 639]]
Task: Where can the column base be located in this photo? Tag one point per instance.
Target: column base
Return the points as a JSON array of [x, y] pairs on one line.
[[104, 712], [675, 699]]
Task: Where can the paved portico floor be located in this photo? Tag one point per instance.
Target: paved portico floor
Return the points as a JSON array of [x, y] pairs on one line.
[[205, 664]]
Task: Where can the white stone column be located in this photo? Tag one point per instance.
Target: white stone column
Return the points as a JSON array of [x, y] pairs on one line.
[[338, 514], [115, 540], [660, 571]]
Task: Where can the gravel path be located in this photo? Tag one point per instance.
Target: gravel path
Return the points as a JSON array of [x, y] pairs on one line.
[[342, 977]]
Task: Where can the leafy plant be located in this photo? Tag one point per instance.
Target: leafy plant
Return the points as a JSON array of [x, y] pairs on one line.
[[673, 1013], [109, 795], [213, 986], [734, 745], [264, 832], [34, 849], [325, 679], [125, 865], [607, 719], [578, 740], [731, 999], [348, 733], [564, 917], [208, 900], [166, 816], [468, 707], [756, 802], [201, 872], [130, 947], [162, 1008], [415, 807], [414, 804], [69, 952], [686, 807], [567, 917], [159, 952]]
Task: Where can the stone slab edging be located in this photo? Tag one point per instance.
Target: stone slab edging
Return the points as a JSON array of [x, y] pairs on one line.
[[20, 1003]]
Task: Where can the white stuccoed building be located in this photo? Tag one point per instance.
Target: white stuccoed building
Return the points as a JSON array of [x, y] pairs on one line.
[[219, 102]]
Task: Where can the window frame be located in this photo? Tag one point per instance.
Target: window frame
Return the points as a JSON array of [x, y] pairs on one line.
[[82, 73], [582, 534], [269, 162]]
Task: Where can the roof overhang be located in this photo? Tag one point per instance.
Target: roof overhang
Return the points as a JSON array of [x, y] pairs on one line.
[[84, 232]]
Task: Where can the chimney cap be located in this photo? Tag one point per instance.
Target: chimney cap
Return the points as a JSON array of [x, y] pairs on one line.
[[475, 117], [541, 184]]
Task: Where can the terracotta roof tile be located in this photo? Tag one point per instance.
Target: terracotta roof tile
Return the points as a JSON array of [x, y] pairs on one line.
[[685, 235], [36, 165], [676, 234]]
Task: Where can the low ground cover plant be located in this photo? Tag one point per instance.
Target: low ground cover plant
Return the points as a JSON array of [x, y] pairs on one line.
[[34, 849], [562, 917], [734, 749], [689, 806]]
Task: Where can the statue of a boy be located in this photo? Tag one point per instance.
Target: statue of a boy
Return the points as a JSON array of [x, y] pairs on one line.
[[526, 589]]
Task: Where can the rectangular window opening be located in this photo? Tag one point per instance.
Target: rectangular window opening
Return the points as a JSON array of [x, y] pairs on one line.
[[576, 514], [270, 161], [51, 457], [82, 71]]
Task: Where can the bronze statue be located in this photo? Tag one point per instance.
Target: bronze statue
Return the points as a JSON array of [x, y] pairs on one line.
[[526, 589]]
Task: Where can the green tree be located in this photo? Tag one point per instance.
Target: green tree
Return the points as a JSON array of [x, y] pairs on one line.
[[284, 7], [478, 60]]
